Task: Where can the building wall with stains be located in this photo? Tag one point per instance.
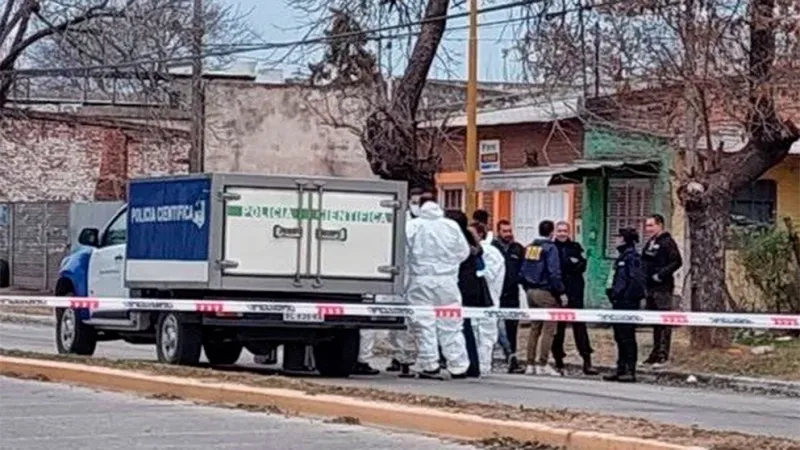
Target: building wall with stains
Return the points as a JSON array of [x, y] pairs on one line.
[[280, 129]]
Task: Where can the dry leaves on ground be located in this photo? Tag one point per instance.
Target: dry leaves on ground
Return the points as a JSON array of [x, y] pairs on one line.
[[781, 364]]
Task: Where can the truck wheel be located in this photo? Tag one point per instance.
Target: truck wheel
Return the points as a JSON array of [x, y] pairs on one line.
[[178, 341], [72, 335], [336, 357], [223, 353], [5, 274]]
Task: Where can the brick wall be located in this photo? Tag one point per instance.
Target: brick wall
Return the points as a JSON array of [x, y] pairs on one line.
[[523, 145], [47, 157]]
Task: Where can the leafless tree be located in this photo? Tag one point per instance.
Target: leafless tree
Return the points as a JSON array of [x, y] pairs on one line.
[[134, 38], [401, 139], [703, 67]]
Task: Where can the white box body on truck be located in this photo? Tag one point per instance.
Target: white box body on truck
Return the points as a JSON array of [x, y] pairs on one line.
[[234, 238]]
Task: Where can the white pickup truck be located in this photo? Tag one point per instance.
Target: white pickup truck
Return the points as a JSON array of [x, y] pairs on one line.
[[237, 237]]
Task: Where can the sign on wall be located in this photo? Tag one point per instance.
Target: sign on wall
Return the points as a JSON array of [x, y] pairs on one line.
[[489, 156]]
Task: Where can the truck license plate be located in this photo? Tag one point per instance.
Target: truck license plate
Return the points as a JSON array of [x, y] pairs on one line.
[[303, 317]]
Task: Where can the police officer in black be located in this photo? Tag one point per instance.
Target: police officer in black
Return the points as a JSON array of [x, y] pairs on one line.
[[573, 265], [626, 293], [512, 252], [661, 260]]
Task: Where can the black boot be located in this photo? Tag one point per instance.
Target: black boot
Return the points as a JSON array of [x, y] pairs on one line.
[[365, 369], [405, 371], [559, 364], [513, 365], [394, 366], [612, 377], [588, 369], [432, 374], [629, 376], [615, 376]]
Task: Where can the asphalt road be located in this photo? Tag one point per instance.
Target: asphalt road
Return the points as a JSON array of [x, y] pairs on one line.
[[684, 406], [35, 415]]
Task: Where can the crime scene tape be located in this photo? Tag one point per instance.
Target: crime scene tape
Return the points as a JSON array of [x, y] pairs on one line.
[[322, 310]]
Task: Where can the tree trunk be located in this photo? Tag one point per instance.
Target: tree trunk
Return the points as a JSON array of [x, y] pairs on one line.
[[708, 221], [390, 138]]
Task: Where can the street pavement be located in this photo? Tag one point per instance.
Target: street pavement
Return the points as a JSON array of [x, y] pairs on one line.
[[36, 415], [718, 410]]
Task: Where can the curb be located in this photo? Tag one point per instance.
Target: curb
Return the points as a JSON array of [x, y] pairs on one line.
[[398, 417]]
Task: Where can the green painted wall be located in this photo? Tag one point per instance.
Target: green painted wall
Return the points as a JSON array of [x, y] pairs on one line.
[[600, 143]]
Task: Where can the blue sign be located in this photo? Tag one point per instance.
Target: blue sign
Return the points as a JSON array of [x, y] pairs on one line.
[[169, 219], [3, 215]]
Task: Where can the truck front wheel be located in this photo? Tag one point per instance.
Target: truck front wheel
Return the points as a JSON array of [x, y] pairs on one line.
[[336, 357], [179, 340], [72, 335], [223, 353]]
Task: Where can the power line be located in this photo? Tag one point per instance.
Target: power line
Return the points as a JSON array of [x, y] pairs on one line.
[[83, 70]]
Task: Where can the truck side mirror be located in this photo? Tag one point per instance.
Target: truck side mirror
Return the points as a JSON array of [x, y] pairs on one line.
[[89, 237]]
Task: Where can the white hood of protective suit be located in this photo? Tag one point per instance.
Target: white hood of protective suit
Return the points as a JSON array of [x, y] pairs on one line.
[[495, 271], [436, 245]]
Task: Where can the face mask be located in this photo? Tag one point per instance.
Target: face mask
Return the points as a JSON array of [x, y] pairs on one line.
[[414, 209]]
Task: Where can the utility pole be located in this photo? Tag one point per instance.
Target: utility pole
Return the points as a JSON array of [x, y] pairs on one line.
[[472, 108], [196, 153]]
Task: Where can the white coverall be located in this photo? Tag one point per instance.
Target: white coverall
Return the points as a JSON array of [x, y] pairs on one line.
[[366, 346], [436, 248], [401, 342], [486, 331]]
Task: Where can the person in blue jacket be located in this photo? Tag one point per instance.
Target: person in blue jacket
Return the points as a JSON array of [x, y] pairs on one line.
[[626, 293], [540, 274]]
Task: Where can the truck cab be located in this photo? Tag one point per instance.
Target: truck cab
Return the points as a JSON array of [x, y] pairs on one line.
[[238, 238]]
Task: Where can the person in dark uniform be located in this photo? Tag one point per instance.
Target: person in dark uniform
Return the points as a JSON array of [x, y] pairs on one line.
[[541, 278], [512, 252], [626, 293], [573, 265], [474, 291], [661, 260]]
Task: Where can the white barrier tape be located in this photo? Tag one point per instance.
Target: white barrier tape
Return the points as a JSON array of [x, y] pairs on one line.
[[697, 319]]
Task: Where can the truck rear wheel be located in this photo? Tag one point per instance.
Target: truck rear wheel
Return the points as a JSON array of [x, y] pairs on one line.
[[223, 353], [72, 335], [337, 357], [178, 339]]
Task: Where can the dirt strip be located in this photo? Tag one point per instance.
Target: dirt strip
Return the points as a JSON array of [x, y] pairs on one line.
[[565, 419]]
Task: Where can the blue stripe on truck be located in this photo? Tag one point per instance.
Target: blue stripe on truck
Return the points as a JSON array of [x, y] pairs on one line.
[[169, 219]]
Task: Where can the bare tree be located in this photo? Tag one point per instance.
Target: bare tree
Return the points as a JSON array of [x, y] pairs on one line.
[[142, 35], [707, 66], [401, 141]]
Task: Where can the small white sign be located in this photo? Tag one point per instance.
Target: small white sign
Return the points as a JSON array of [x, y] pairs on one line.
[[489, 156]]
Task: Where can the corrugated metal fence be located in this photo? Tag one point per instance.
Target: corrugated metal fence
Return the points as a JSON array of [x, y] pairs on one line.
[[35, 237]]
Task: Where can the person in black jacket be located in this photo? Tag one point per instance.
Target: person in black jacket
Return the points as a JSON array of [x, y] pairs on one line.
[[626, 293], [573, 265], [661, 260], [474, 291], [541, 278], [512, 252]]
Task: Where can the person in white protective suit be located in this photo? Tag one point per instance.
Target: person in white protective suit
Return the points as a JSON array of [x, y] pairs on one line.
[[402, 342], [494, 273], [436, 247], [365, 354]]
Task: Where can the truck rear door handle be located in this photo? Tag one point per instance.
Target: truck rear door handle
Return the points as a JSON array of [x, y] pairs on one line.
[[118, 258], [279, 232], [331, 235]]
